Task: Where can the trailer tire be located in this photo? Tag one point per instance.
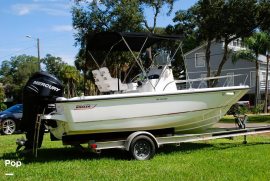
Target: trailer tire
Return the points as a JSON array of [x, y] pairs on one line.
[[142, 148]]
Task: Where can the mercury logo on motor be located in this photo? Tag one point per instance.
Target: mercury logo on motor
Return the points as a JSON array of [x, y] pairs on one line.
[[51, 87]]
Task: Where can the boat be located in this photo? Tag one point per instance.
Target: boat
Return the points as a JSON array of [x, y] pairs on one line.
[[152, 103]]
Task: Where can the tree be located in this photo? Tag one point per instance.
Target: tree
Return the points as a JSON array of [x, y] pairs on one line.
[[264, 15], [110, 15], [240, 19], [203, 22], [53, 64], [71, 78], [219, 20], [15, 73], [105, 15], [264, 18], [2, 98], [157, 6], [67, 74], [257, 44], [101, 16], [6, 72]]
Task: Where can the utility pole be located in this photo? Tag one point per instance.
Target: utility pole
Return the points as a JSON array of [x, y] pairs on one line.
[[38, 50], [38, 54]]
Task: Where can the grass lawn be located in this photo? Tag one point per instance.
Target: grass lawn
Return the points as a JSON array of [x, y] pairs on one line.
[[221, 159], [252, 118]]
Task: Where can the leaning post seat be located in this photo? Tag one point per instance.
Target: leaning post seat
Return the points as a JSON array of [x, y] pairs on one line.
[[105, 82], [105, 73], [97, 75]]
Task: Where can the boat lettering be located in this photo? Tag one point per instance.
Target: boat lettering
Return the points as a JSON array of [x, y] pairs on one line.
[[85, 106], [46, 85], [161, 99]]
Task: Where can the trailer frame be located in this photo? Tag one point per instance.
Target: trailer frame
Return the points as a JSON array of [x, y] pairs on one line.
[[142, 145], [150, 139]]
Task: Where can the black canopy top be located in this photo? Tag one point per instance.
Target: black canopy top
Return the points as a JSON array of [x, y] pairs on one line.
[[104, 41]]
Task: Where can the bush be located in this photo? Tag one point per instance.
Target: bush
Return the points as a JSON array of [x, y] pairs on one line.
[[243, 109], [2, 106], [238, 109], [2, 97], [257, 109]]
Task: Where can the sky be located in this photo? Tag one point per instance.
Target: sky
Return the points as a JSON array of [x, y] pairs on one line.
[[50, 21]]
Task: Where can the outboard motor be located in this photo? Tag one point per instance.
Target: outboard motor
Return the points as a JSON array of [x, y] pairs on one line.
[[40, 90]]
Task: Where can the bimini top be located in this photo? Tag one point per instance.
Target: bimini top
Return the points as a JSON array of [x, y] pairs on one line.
[[116, 41]]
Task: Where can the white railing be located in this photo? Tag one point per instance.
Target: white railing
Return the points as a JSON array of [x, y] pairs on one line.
[[263, 84], [223, 81]]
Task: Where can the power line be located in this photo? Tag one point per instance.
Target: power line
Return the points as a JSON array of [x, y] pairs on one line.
[[16, 52]]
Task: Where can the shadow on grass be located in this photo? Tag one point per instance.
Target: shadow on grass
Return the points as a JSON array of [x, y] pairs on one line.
[[68, 154], [189, 148], [183, 148], [223, 146]]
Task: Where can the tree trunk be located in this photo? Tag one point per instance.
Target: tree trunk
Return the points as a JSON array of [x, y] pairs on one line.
[[266, 86], [73, 88], [84, 80], [68, 89], [223, 61], [257, 87], [207, 60]]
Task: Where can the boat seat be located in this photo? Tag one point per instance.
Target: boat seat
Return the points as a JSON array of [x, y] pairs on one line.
[[104, 70], [111, 85], [97, 75], [103, 87], [105, 82], [105, 73]]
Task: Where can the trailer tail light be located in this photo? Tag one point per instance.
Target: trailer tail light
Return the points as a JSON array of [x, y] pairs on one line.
[[93, 146]]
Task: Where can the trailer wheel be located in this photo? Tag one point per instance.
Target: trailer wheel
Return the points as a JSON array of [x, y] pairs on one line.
[[142, 148]]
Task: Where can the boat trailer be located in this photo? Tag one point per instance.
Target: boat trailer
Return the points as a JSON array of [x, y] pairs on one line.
[[142, 145]]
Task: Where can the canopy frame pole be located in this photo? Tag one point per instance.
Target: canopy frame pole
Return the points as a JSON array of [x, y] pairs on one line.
[[110, 52], [136, 58], [138, 62], [180, 45], [129, 72], [93, 59], [185, 64]]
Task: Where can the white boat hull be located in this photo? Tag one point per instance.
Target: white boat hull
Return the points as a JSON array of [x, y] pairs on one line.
[[186, 111]]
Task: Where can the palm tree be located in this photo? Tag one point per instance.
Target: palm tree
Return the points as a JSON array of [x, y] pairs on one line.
[[257, 44], [71, 77]]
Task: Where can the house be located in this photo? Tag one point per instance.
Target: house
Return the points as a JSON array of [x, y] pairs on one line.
[[196, 67]]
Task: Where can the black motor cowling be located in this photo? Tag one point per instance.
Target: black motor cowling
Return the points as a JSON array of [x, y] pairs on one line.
[[43, 86], [40, 90]]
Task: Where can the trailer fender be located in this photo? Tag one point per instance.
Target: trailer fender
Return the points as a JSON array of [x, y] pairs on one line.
[[138, 133]]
